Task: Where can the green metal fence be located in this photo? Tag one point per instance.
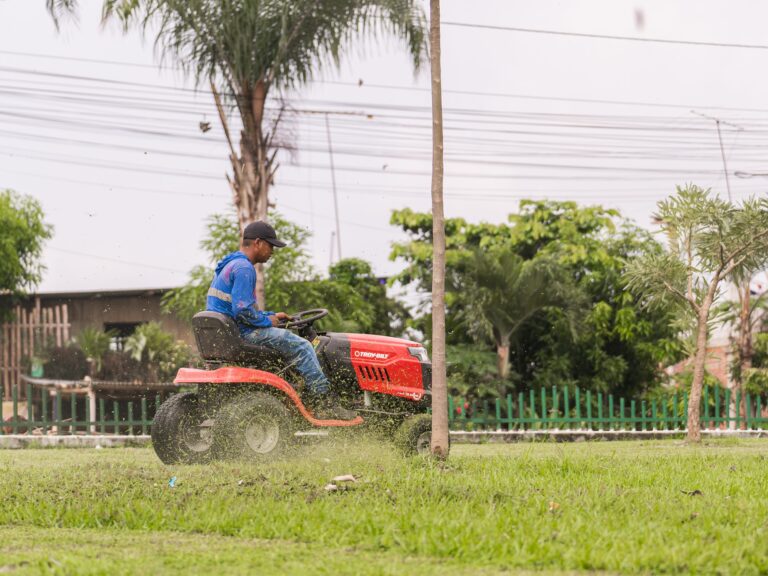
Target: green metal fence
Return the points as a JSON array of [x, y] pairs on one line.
[[66, 413], [566, 408], [570, 408]]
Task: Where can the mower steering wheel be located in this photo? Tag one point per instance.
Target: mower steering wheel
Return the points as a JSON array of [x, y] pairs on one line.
[[305, 318]]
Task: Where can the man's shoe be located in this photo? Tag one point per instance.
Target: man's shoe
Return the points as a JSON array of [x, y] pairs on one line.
[[329, 408]]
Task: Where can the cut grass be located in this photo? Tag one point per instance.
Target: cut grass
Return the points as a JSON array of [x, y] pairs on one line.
[[618, 507], [27, 551]]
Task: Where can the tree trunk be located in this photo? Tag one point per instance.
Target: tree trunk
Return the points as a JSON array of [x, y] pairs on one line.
[[744, 349], [439, 387], [502, 360], [252, 171], [700, 358]]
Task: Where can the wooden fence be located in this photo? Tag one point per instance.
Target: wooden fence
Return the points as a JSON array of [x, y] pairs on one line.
[[28, 332]]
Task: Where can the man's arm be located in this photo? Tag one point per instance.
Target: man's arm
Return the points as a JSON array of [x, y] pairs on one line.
[[244, 304]]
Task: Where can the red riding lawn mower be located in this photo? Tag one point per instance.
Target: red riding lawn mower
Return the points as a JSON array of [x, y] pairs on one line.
[[246, 404]]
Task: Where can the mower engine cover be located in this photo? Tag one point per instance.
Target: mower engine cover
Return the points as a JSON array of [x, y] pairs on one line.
[[380, 364]]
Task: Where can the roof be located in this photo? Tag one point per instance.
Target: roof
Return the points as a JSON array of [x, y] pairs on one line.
[[98, 293]]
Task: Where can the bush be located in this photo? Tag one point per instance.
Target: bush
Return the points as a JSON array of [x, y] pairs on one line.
[[120, 367], [65, 363], [157, 351], [95, 344]]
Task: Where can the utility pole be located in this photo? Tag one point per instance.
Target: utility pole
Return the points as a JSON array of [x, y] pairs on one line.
[[330, 257], [717, 122], [333, 184]]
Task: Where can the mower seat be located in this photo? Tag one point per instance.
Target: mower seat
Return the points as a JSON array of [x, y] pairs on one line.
[[218, 340]]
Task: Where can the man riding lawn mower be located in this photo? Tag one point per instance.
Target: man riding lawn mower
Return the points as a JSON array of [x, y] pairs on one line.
[[247, 403]]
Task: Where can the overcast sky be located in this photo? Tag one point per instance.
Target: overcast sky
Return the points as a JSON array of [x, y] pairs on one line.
[[110, 144]]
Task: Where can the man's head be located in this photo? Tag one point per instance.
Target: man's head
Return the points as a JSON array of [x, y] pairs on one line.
[[259, 238]]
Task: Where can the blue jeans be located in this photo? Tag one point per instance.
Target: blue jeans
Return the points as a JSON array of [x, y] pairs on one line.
[[296, 351]]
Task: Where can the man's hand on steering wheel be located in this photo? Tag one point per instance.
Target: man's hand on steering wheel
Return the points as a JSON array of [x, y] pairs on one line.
[[279, 318]]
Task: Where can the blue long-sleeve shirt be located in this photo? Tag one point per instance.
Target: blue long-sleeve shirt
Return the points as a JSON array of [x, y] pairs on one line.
[[233, 292]]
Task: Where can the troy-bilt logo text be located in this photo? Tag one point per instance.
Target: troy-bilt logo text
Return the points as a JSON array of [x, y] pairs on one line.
[[376, 355]]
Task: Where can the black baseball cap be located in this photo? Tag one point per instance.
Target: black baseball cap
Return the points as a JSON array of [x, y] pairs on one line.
[[262, 230]]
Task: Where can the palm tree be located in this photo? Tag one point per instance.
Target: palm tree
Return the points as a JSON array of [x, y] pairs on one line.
[[504, 290], [248, 49], [440, 444]]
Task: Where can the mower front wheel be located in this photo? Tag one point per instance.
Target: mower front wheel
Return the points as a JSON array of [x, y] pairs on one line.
[[181, 430], [414, 437], [254, 427]]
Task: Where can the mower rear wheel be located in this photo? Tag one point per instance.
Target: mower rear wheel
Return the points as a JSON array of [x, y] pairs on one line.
[[254, 426], [181, 431], [414, 437]]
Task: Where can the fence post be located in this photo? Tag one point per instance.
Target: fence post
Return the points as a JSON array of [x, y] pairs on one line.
[[705, 400], [566, 409], [717, 407], [14, 410], [144, 415], [88, 429], [520, 411], [543, 419], [622, 425], [600, 410], [72, 412], [675, 411], [748, 411], [44, 403], [589, 408], [577, 401], [130, 418], [611, 424], [555, 412], [57, 408], [30, 411]]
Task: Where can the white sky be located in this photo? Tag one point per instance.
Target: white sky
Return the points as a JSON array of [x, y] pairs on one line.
[[115, 156]]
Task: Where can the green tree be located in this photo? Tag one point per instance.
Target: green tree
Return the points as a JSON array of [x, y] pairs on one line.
[[743, 315], [388, 315], [709, 241], [619, 344], [248, 49], [23, 232], [503, 291]]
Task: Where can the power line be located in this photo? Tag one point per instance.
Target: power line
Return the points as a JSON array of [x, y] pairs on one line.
[[605, 36], [363, 86]]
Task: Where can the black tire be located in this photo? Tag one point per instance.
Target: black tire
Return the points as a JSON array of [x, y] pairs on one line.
[[255, 427], [414, 437], [181, 431]]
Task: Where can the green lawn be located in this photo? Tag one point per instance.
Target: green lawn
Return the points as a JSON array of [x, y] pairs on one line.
[[611, 507]]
